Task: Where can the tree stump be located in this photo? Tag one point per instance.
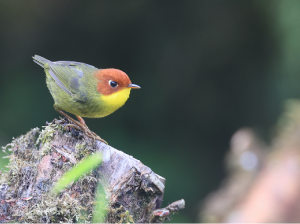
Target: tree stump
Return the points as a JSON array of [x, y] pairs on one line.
[[39, 158]]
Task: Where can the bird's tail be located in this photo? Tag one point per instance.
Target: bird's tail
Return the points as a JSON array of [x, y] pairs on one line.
[[40, 60]]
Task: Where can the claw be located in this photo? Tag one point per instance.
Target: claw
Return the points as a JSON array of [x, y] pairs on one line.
[[80, 125]]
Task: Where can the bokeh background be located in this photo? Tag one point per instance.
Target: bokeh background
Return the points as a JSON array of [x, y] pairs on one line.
[[206, 68]]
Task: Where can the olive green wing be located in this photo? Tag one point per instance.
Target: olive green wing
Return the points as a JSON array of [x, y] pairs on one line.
[[68, 75]]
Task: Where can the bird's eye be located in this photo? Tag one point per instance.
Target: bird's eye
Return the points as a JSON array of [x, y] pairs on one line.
[[112, 83]]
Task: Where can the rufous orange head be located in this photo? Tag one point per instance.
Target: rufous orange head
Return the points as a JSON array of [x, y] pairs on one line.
[[113, 80]]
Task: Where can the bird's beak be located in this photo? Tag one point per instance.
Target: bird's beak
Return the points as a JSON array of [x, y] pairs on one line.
[[133, 86]]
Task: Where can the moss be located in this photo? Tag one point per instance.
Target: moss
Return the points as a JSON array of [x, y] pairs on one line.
[[46, 136], [119, 215], [27, 197], [24, 147], [126, 217], [80, 150], [53, 209], [23, 159], [83, 149]]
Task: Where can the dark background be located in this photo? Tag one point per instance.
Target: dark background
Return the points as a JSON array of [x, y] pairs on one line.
[[206, 68]]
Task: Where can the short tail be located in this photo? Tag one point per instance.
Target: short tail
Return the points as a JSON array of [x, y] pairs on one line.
[[40, 60]]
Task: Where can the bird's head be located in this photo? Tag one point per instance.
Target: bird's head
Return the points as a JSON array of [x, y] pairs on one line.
[[114, 86], [113, 80]]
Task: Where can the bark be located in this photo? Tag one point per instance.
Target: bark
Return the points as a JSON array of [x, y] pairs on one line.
[[41, 157]]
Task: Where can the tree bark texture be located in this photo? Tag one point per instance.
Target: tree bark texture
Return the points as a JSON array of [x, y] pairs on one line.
[[41, 157]]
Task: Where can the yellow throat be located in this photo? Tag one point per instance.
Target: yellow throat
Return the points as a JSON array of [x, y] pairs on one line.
[[114, 101]]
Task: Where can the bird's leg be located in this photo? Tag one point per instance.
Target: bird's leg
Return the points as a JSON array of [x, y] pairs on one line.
[[81, 124], [81, 121]]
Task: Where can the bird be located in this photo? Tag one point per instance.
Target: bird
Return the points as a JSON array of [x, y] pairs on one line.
[[85, 91]]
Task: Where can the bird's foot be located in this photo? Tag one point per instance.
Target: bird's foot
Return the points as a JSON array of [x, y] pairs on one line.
[[80, 125], [86, 131]]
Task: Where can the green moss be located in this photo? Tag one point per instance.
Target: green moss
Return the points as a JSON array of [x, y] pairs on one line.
[[46, 136], [126, 217], [83, 149], [23, 159], [41, 206], [120, 215], [53, 209]]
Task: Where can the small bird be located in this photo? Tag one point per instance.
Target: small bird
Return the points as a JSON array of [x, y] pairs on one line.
[[85, 91]]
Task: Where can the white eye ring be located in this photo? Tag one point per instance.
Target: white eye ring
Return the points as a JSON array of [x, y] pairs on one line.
[[113, 84]]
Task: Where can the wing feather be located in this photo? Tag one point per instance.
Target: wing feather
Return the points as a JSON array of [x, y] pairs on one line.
[[68, 75]]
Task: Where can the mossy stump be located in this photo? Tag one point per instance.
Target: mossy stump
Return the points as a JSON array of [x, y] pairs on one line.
[[41, 157]]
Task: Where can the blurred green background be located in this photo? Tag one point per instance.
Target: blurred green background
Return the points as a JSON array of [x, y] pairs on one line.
[[206, 68]]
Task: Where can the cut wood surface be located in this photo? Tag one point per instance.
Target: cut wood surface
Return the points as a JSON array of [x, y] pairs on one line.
[[39, 158]]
